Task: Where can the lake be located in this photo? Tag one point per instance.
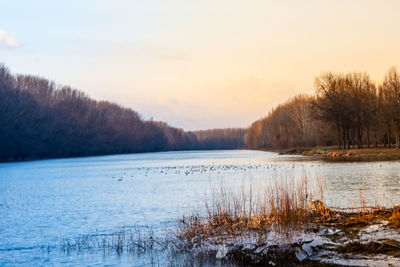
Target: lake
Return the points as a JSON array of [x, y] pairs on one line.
[[42, 202]]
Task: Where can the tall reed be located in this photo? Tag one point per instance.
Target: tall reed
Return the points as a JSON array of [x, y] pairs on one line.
[[281, 206]]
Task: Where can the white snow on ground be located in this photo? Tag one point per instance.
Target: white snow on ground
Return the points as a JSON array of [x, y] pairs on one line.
[[303, 244], [381, 260], [307, 245], [378, 232]]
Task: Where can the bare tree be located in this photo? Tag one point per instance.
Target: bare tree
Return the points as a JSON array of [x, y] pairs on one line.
[[390, 94]]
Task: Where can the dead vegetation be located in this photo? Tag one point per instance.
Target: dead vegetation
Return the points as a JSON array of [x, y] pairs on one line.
[[239, 225], [354, 155], [281, 207], [129, 241]]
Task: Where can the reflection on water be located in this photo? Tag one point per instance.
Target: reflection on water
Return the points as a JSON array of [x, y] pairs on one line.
[[43, 201]]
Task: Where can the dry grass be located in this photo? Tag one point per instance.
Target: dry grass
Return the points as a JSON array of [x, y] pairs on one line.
[[368, 151], [129, 241], [394, 219], [365, 154], [282, 206]]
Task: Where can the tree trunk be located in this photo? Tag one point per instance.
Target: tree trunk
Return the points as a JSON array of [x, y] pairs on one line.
[[348, 139], [338, 134], [368, 135], [384, 140], [376, 140], [344, 137], [397, 141]]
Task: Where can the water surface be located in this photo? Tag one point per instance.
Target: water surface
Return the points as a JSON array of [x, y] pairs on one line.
[[43, 201]]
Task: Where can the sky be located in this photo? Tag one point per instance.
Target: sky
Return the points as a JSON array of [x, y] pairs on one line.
[[198, 64]]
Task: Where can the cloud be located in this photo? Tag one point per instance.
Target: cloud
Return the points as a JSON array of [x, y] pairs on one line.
[[8, 40]]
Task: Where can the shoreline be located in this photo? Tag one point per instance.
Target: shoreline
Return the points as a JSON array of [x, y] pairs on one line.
[[331, 154], [334, 237], [288, 223]]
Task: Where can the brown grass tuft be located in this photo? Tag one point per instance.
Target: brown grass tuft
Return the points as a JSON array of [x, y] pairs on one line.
[[281, 207], [394, 219]]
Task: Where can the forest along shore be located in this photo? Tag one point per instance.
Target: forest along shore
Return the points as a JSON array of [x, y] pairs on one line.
[[351, 155], [42, 119], [347, 110]]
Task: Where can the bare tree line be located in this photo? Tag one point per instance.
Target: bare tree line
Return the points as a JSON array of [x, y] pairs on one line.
[[291, 124], [41, 119], [348, 110], [229, 138]]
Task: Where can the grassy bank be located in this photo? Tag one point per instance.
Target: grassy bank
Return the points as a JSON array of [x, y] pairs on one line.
[[343, 155]]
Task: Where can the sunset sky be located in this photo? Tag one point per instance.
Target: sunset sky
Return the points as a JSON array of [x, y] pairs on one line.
[[198, 64]]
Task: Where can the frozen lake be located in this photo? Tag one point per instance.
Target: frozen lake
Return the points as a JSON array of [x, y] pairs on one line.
[[43, 201]]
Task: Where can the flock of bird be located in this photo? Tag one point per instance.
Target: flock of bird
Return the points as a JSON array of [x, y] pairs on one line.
[[190, 170]]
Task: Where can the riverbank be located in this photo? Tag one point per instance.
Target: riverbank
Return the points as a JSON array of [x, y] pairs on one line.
[[332, 237], [344, 155], [285, 224]]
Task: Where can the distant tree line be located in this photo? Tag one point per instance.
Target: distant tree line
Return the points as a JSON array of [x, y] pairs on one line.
[[348, 110], [229, 138], [41, 119], [291, 124]]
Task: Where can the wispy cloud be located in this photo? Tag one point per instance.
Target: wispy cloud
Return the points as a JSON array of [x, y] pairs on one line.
[[8, 40]]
